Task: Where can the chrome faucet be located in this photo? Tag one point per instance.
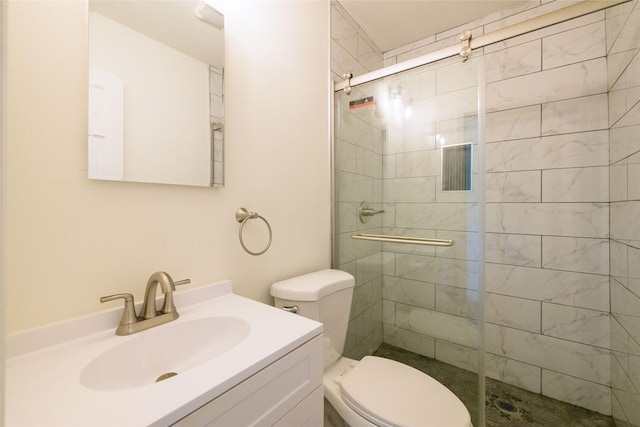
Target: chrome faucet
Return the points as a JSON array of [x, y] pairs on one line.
[[149, 314]]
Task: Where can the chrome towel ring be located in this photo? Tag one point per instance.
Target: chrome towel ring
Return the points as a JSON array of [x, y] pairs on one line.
[[242, 216]]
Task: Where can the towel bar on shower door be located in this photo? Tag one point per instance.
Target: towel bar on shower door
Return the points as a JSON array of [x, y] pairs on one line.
[[403, 239]]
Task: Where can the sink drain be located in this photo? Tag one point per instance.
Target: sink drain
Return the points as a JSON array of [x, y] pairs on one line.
[[165, 376], [506, 406]]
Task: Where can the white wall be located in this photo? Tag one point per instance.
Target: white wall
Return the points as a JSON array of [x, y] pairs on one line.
[[70, 240]]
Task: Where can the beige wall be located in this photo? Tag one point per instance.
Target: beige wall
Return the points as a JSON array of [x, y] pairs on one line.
[[69, 240]]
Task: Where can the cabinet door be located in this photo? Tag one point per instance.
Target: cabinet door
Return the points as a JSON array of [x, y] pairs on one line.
[[267, 396], [308, 413]]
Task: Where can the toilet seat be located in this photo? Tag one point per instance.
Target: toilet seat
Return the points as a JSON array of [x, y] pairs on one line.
[[391, 394]]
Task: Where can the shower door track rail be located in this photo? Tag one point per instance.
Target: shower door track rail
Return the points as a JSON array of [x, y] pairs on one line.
[[403, 239], [579, 9]]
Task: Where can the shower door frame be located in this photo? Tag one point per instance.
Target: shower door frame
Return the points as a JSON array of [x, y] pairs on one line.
[[533, 24]]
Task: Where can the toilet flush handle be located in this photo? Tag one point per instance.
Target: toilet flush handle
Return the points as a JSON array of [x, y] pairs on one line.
[[291, 308]]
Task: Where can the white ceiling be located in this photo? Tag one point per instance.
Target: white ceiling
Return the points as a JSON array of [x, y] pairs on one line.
[[395, 23]]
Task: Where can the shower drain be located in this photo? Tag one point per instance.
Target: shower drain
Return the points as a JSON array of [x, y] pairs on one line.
[[503, 405]]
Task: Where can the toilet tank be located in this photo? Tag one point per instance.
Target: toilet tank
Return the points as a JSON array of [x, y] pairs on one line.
[[324, 296]]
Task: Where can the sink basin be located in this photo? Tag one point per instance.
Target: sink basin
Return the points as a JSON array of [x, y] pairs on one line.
[[163, 352]]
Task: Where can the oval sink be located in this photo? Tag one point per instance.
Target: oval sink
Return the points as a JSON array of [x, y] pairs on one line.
[[162, 352]]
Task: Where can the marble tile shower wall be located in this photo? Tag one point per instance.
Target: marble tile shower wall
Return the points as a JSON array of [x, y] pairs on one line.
[[547, 219], [358, 178], [623, 48]]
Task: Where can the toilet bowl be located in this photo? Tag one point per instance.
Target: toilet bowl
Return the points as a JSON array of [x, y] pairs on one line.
[[373, 391]]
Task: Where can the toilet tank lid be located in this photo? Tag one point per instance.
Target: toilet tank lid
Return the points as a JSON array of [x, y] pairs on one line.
[[312, 286]]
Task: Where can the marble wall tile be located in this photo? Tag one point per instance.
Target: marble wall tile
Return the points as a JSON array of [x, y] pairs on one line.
[[458, 301], [468, 245], [457, 355], [368, 269], [517, 123], [619, 337], [634, 181], [514, 249], [514, 61], [419, 189], [618, 262], [388, 263], [420, 294], [628, 37], [624, 302], [546, 32], [341, 59], [619, 372], [575, 359], [458, 130], [576, 254], [442, 271], [561, 287], [618, 181], [460, 103], [464, 196], [409, 340], [344, 33], [457, 76], [576, 45], [409, 249], [576, 324], [616, 64], [346, 217], [571, 81], [513, 372], [368, 54], [388, 312], [632, 115], [410, 139], [353, 188], [550, 152], [622, 229], [575, 115], [587, 394], [360, 133], [369, 163], [420, 83], [345, 156], [634, 370], [514, 312], [456, 329], [418, 163], [624, 142], [513, 186], [438, 216], [559, 219]]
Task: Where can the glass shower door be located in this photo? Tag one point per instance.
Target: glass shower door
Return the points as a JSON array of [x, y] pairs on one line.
[[408, 167]]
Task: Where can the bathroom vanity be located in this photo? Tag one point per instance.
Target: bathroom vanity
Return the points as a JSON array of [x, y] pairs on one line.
[[227, 360]]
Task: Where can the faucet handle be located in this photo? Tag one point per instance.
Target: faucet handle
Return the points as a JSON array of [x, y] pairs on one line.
[[168, 305], [129, 313]]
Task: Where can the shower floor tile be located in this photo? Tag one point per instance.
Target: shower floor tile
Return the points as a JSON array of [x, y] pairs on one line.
[[506, 405]]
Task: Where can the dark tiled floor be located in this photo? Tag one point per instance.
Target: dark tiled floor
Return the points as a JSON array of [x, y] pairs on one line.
[[506, 405]]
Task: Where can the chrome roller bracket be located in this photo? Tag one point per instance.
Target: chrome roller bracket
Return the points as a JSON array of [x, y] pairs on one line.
[[347, 78], [465, 50]]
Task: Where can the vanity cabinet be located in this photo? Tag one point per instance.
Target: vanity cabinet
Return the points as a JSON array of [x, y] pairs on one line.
[[287, 392]]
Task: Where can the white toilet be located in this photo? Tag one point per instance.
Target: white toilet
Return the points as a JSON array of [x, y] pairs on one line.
[[374, 391]]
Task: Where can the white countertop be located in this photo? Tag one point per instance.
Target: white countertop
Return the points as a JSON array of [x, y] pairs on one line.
[[43, 369]]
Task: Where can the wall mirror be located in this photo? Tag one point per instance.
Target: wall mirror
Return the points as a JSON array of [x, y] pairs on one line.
[[156, 110]]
